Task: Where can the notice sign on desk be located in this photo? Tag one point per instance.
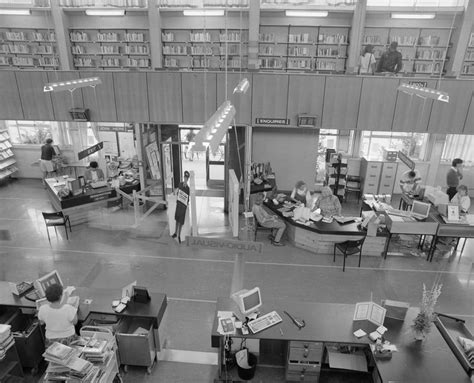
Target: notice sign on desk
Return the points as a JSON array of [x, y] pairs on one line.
[[224, 244]]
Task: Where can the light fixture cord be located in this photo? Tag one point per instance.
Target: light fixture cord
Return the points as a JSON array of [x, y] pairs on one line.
[[240, 46], [205, 72], [226, 47]]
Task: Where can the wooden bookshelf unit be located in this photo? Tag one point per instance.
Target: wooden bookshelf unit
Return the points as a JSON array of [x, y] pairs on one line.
[[468, 65]]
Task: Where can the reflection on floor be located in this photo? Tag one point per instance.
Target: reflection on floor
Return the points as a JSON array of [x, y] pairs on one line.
[[109, 254]]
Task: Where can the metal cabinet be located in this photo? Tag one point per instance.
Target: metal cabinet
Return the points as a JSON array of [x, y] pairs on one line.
[[370, 176], [304, 361], [387, 178]]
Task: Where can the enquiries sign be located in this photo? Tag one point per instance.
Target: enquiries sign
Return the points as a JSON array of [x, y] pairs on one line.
[[272, 121], [225, 244]]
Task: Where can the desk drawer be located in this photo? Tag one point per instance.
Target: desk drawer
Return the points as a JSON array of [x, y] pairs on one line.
[[308, 355], [295, 377], [311, 345], [304, 368], [370, 187]]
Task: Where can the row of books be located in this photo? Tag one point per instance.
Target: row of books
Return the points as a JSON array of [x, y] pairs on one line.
[[205, 3], [104, 3], [25, 49], [111, 62], [6, 172], [28, 36], [29, 61], [5, 145], [79, 36], [4, 154]]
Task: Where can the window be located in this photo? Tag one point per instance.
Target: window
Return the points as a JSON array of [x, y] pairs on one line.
[[412, 144], [458, 146], [36, 132]]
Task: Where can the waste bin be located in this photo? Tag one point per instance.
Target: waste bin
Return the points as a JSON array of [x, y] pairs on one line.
[[248, 373]]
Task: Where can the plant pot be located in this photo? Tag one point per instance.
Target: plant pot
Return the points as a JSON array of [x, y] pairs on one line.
[[419, 335]]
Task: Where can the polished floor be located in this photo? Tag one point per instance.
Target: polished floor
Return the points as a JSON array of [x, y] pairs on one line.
[[109, 253]]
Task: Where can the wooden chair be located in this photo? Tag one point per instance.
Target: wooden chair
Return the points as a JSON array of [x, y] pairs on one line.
[[56, 219], [349, 248]]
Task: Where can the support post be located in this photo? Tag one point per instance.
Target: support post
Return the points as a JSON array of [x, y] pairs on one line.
[[357, 31], [192, 197]]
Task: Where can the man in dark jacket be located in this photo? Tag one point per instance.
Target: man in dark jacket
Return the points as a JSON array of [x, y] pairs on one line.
[[391, 60]]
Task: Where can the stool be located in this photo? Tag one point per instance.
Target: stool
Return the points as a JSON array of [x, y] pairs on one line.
[[353, 185]]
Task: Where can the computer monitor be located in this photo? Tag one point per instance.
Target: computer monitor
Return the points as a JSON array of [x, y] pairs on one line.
[[421, 208], [249, 300], [41, 284]]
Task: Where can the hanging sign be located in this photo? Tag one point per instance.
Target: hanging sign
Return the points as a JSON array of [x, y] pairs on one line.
[[421, 84], [91, 150], [272, 121], [114, 128], [406, 160]]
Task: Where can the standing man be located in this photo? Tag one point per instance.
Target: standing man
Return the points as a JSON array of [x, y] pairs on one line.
[[182, 201], [46, 162], [391, 60], [453, 177]]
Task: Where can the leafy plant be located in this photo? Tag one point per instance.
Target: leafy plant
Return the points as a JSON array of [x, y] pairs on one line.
[[425, 317]]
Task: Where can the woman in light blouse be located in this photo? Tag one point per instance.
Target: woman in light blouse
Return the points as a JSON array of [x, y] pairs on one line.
[[301, 194], [328, 203]]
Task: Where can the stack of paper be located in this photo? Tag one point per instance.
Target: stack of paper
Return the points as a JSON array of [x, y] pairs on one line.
[[6, 339]]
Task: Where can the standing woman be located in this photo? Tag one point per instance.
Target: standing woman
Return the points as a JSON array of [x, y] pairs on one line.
[[46, 162], [182, 193], [367, 61], [453, 176]]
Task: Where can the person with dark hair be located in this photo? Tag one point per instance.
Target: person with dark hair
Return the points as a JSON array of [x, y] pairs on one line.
[[94, 174], [46, 161], [367, 60], [410, 182], [269, 220], [453, 177], [58, 316], [301, 194], [461, 198], [391, 60], [182, 193]]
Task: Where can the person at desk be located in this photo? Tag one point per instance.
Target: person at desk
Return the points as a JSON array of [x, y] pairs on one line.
[[58, 316], [461, 198], [46, 161], [94, 174], [328, 203], [453, 176], [410, 182], [301, 194], [268, 220]]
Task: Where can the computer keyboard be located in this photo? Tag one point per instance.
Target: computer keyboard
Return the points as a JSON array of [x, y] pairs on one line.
[[98, 184], [264, 322], [400, 213]]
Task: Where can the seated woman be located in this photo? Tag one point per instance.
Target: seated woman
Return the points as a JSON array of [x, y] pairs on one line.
[[462, 199], [58, 316], [268, 220], [94, 174], [328, 203], [301, 194]]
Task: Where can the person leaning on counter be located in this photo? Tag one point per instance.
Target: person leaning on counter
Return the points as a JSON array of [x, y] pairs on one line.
[[328, 203], [301, 194], [94, 174], [453, 176]]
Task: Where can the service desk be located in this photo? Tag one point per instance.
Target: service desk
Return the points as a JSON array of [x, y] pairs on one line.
[[80, 206], [320, 237], [428, 361]]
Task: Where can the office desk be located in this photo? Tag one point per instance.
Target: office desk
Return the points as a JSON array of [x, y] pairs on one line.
[[428, 361], [320, 237]]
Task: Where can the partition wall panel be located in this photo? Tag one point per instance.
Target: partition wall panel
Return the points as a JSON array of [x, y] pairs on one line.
[[199, 96], [101, 100], [341, 102], [469, 124], [270, 96], [131, 97], [305, 96], [241, 101], [65, 100], [451, 117], [377, 103], [165, 100], [412, 113], [36, 103], [10, 105]]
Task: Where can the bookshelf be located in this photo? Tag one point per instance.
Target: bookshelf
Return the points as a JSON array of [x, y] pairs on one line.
[[199, 49], [303, 48], [205, 3], [468, 65], [28, 48], [7, 157], [423, 49], [110, 49], [103, 3]]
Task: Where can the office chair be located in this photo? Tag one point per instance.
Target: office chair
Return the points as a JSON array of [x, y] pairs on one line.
[[353, 186], [56, 219], [259, 227], [349, 248]]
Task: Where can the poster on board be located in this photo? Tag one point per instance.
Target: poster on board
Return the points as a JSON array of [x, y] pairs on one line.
[[153, 157]]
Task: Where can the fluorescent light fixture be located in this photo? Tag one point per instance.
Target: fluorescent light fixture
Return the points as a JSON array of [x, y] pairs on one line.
[[72, 84], [105, 12], [306, 13], [203, 12], [242, 86], [15, 12], [424, 92], [414, 16]]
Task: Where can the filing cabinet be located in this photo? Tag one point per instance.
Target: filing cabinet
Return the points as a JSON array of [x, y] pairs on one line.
[[304, 361], [387, 178], [370, 172]]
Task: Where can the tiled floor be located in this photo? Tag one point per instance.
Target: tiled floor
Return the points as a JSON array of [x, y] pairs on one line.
[[108, 253]]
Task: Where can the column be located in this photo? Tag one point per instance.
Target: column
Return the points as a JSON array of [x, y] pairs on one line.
[[62, 37], [254, 27], [356, 36], [463, 40], [154, 23]]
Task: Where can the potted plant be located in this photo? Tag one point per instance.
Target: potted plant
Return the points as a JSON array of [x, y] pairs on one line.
[[422, 323]]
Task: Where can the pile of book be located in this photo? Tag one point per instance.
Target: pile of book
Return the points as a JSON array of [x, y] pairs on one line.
[[92, 349], [65, 364], [6, 339]]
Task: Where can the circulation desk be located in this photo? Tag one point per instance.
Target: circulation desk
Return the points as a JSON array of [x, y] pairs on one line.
[[320, 237], [329, 323], [80, 206]]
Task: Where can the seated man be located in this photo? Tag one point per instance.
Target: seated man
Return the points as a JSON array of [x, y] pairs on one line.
[[266, 219], [461, 198], [410, 182]]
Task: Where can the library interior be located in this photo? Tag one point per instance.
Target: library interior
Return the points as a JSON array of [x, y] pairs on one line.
[[152, 224]]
